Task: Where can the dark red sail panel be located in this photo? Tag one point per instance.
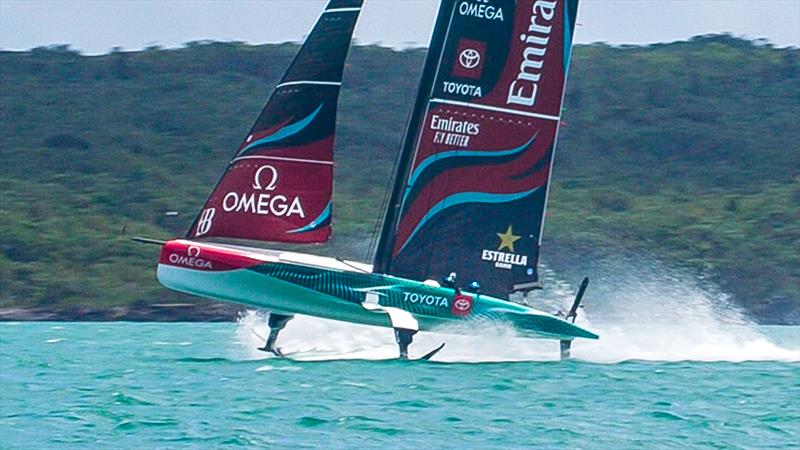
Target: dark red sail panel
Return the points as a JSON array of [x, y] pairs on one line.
[[473, 191], [279, 185]]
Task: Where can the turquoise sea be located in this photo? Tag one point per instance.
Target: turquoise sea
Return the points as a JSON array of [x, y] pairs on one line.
[[202, 385]]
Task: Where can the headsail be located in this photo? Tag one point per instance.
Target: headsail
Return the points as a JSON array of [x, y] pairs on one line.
[[470, 194], [278, 187]]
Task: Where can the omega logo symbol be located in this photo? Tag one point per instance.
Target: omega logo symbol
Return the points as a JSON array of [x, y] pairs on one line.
[[193, 251], [272, 177]]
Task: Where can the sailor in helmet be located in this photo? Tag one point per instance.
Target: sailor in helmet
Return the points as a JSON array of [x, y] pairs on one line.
[[450, 280]]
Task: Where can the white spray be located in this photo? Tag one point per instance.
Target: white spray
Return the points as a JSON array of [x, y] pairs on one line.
[[641, 309]]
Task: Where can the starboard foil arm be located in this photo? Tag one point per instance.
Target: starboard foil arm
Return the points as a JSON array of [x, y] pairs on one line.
[[573, 311], [566, 345]]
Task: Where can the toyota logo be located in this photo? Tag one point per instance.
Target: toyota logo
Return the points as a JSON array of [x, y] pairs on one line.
[[469, 58], [462, 304], [193, 251]]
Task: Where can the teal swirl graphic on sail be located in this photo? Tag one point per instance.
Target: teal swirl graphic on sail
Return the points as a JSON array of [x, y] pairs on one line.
[[450, 155], [323, 219], [284, 132]]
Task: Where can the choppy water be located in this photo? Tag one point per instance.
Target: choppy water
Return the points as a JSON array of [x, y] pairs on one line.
[[132, 385], [676, 367]]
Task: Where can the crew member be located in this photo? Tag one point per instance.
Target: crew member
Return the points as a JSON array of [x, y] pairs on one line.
[[450, 280]]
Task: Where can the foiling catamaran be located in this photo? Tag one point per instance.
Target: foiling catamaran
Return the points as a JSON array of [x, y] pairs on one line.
[[468, 194]]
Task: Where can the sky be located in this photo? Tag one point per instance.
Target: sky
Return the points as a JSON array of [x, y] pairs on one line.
[[96, 26]]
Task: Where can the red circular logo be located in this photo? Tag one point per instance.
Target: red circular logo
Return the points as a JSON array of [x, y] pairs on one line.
[[462, 305]]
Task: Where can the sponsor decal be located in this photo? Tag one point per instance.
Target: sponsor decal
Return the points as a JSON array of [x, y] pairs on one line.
[[262, 203], [191, 256], [505, 260], [464, 89], [469, 62], [507, 239], [204, 224], [453, 132], [469, 59], [273, 178], [426, 299], [462, 305], [523, 90], [191, 259], [481, 9]]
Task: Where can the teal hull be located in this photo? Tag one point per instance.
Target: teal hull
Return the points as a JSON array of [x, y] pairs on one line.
[[339, 294]]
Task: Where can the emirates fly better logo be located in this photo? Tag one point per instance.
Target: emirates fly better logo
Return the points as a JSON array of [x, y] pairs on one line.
[[469, 59]]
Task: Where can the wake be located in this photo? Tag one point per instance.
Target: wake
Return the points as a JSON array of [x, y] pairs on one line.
[[642, 311]]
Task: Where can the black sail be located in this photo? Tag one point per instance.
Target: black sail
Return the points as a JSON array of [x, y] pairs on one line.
[[471, 187]]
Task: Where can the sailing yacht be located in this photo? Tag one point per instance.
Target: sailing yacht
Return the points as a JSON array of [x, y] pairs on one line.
[[468, 194]]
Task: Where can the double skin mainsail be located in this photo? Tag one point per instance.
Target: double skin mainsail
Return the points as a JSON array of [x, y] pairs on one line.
[[471, 186]]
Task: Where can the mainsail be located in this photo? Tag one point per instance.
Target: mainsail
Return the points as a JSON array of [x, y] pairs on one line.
[[278, 186], [471, 188]]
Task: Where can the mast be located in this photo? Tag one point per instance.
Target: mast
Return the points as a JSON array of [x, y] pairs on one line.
[[383, 253]]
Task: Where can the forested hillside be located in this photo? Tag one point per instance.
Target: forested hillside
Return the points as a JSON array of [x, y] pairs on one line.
[[686, 150]]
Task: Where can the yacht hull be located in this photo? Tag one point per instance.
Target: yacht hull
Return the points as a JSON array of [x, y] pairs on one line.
[[295, 283]]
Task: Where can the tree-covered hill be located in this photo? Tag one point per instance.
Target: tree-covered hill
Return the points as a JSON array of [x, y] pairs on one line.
[[688, 150]]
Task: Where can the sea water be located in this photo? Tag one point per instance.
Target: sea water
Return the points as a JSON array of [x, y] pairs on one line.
[[676, 366], [203, 385]]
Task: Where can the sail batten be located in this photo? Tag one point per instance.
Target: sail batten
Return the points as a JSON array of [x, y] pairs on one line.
[[279, 184], [470, 195]]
